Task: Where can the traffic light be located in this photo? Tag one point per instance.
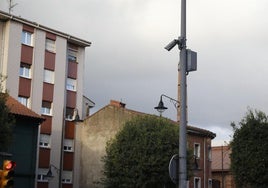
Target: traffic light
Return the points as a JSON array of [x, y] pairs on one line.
[[7, 174]]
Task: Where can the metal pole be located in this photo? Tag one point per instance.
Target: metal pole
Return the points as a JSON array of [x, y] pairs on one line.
[[222, 176], [183, 93]]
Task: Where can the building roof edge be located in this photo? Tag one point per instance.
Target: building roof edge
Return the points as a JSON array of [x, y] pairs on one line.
[[190, 129], [5, 16], [19, 109]]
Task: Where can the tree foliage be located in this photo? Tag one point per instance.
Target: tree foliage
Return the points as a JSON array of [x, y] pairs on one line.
[[139, 155], [249, 158], [6, 123]]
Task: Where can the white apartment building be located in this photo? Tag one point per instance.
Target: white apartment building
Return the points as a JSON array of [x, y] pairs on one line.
[[44, 70]]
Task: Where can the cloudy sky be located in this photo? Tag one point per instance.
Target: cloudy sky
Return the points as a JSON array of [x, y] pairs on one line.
[[127, 60]]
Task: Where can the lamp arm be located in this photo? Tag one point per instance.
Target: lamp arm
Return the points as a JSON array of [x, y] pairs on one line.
[[174, 101]]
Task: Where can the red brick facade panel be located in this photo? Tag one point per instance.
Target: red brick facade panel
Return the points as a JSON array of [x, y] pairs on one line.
[[203, 162], [28, 28], [69, 129], [46, 125], [42, 184], [24, 87], [50, 36], [71, 99], [68, 160], [48, 91], [72, 46], [26, 54], [50, 60], [67, 185], [44, 158], [72, 70]]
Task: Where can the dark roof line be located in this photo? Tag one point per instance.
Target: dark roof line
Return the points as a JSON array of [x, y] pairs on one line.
[[190, 129], [19, 109], [5, 16]]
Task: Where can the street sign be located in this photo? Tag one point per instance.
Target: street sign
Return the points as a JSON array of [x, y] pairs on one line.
[[174, 168]]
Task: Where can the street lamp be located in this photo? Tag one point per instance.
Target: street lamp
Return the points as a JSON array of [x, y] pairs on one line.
[[161, 107], [187, 64]]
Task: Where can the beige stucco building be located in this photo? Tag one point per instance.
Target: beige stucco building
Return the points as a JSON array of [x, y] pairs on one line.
[[100, 127]]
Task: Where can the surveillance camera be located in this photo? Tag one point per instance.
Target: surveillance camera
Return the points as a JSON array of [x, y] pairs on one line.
[[172, 44]]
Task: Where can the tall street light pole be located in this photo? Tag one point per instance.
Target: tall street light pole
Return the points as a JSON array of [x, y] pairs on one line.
[[183, 105], [187, 63]]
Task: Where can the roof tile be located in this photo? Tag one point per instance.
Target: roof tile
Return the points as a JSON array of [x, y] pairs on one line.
[[19, 109]]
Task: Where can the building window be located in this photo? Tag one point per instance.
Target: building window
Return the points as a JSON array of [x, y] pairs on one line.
[[72, 55], [41, 175], [25, 70], [49, 76], [209, 153], [67, 177], [69, 114], [197, 150], [44, 141], [71, 84], [27, 38], [50, 45], [68, 145], [209, 183], [197, 182], [24, 101], [46, 108]]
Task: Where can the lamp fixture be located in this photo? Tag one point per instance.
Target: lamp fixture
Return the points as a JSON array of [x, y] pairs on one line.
[[161, 107]]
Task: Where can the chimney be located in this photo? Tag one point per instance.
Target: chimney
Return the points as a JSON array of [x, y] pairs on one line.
[[117, 104]]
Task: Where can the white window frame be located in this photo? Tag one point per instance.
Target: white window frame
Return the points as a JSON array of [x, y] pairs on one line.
[[24, 100], [197, 150], [48, 76], [198, 179], [46, 110], [25, 70], [50, 45], [68, 145], [44, 141], [69, 114], [209, 183], [71, 84], [27, 38], [41, 175], [67, 177], [72, 55]]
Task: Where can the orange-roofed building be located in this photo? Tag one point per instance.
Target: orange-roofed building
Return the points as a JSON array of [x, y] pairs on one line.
[[24, 146]]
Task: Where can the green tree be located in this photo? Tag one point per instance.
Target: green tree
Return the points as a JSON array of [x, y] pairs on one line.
[[6, 119], [249, 158], [6, 123], [139, 155]]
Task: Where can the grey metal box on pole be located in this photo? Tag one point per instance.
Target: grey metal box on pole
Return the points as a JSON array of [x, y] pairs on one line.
[[191, 60]]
